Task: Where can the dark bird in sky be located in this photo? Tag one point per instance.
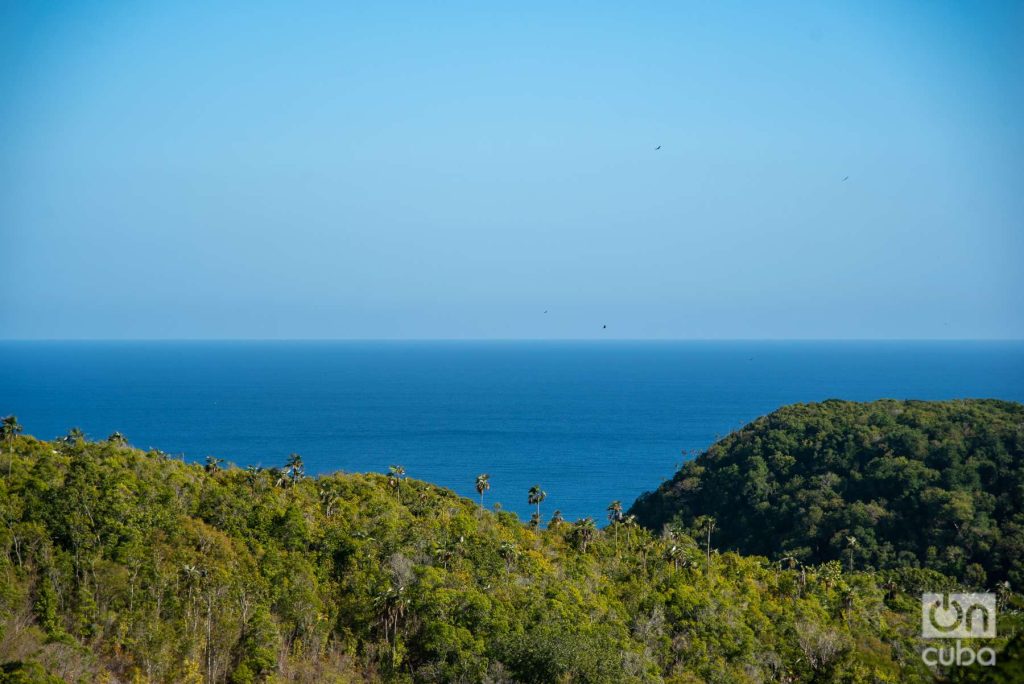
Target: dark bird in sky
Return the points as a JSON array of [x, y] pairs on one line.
[[845, 177], [658, 147], [604, 327], [545, 310]]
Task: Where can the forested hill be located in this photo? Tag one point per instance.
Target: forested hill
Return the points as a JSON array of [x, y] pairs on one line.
[[885, 484], [118, 565]]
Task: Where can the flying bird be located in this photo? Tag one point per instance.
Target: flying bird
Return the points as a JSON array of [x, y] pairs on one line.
[[657, 148], [845, 178], [604, 327]]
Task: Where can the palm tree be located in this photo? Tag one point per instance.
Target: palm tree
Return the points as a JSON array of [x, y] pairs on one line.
[[395, 475], [708, 523], [535, 496], [583, 532], [391, 605], [615, 516], [10, 429], [535, 520], [117, 439], [556, 520], [509, 554], [851, 547], [294, 468], [483, 483], [252, 474], [615, 512], [673, 553], [328, 499], [212, 464]]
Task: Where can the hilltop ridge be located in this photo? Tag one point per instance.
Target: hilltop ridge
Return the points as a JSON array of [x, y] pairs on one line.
[[884, 484]]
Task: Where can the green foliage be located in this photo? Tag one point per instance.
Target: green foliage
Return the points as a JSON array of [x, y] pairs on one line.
[[122, 565], [885, 484], [26, 673]]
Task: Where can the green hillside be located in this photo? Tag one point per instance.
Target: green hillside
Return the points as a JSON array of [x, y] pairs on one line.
[[887, 484], [120, 565]]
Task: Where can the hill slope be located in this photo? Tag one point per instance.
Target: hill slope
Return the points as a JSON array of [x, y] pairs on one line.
[[119, 565], [878, 485]]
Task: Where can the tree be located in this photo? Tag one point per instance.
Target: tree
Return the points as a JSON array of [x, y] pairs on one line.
[[556, 520], [213, 464], [328, 498], [483, 483], [615, 516], [509, 553], [707, 524], [614, 511], [851, 548], [395, 475], [673, 553], [10, 429], [294, 468], [117, 439], [904, 477], [583, 532], [74, 436], [535, 496], [391, 605]]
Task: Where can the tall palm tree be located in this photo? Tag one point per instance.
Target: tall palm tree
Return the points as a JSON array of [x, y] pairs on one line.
[[328, 498], [851, 548], [535, 496], [395, 475], [117, 439], [483, 483], [294, 468], [707, 523], [9, 429], [615, 516], [212, 464], [630, 523], [583, 532], [509, 554], [673, 552], [391, 605], [615, 511]]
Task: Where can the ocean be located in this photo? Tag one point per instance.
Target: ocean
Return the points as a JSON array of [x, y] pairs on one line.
[[590, 422]]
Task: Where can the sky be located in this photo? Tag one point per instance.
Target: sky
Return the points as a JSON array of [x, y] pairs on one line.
[[455, 170]]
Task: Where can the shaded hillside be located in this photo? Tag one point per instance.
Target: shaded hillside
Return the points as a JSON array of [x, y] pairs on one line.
[[118, 565], [885, 484]]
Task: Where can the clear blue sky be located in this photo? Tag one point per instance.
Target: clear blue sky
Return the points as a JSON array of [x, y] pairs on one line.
[[340, 170]]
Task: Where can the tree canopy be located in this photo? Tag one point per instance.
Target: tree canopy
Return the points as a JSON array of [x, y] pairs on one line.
[[886, 484], [120, 565]]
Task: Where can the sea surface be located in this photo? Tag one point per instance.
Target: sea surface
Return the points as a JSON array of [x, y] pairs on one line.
[[589, 422]]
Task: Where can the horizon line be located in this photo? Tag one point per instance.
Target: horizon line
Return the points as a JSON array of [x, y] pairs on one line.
[[511, 339]]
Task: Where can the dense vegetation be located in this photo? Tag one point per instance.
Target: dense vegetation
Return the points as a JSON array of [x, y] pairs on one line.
[[888, 484], [119, 565]]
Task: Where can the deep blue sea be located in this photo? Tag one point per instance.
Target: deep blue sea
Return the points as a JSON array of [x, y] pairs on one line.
[[588, 421]]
